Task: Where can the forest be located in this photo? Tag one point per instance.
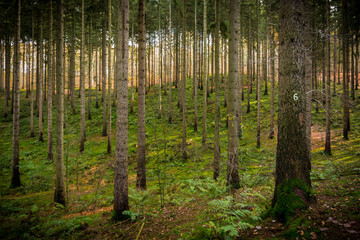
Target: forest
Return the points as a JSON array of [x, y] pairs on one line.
[[179, 119]]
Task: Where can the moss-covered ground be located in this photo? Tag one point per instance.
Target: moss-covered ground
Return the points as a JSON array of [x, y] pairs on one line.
[[181, 200]]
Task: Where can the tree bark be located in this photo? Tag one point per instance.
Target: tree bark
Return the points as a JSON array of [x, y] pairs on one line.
[[97, 79], [59, 195], [183, 80], [109, 79], [328, 92], [272, 77], [32, 79], [72, 66], [258, 92], [205, 73], [41, 79], [103, 69], [90, 68], [50, 90], [232, 176], [141, 161], [249, 65], [346, 117], [82, 79], [15, 177], [170, 64], [195, 72], [121, 199], [292, 184], [132, 70], [217, 156]]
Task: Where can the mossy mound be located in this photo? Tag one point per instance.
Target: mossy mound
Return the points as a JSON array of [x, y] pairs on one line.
[[293, 195]]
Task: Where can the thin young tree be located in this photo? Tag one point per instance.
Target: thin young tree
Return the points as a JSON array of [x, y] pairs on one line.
[[258, 92], [7, 69], [72, 66], [141, 161], [170, 63], [109, 79], [232, 175], [15, 177], [104, 70], [328, 76], [32, 78], [97, 79], [272, 75], [345, 42], [205, 78], [41, 79], [132, 70], [217, 155], [90, 66], [292, 184], [50, 87], [195, 72], [82, 78], [121, 199], [59, 195], [160, 63], [183, 80]]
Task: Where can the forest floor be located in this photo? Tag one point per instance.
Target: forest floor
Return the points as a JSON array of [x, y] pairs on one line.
[[181, 201]]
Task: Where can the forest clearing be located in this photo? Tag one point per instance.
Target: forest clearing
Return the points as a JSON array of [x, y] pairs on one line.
[[248, 130]]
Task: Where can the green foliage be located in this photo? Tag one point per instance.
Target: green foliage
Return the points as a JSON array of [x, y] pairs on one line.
[[230, 216], [203, 186]]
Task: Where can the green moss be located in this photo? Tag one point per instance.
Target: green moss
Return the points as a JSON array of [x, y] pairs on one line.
[[287, 201]]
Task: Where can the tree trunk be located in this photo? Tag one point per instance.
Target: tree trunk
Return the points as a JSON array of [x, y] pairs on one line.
[[249, 65], [41, 80], [72, 67], [59, 195], [170, 64], [32, 79], [217, 156], [7, 71], [328, 92], [50, 90], [334, 65], [160, 54], [28, 71], [292, 184], [183, 80], [195, 73], [258, 92], [90, 68], [121, 199], [104, 70], [97, 79], [205, 73], [232, 176], [15, 177], [346, 118], [132, 70], [272, 77], [141, 161], [23, 66], [352, 83], [82, 79], [109, 79]]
